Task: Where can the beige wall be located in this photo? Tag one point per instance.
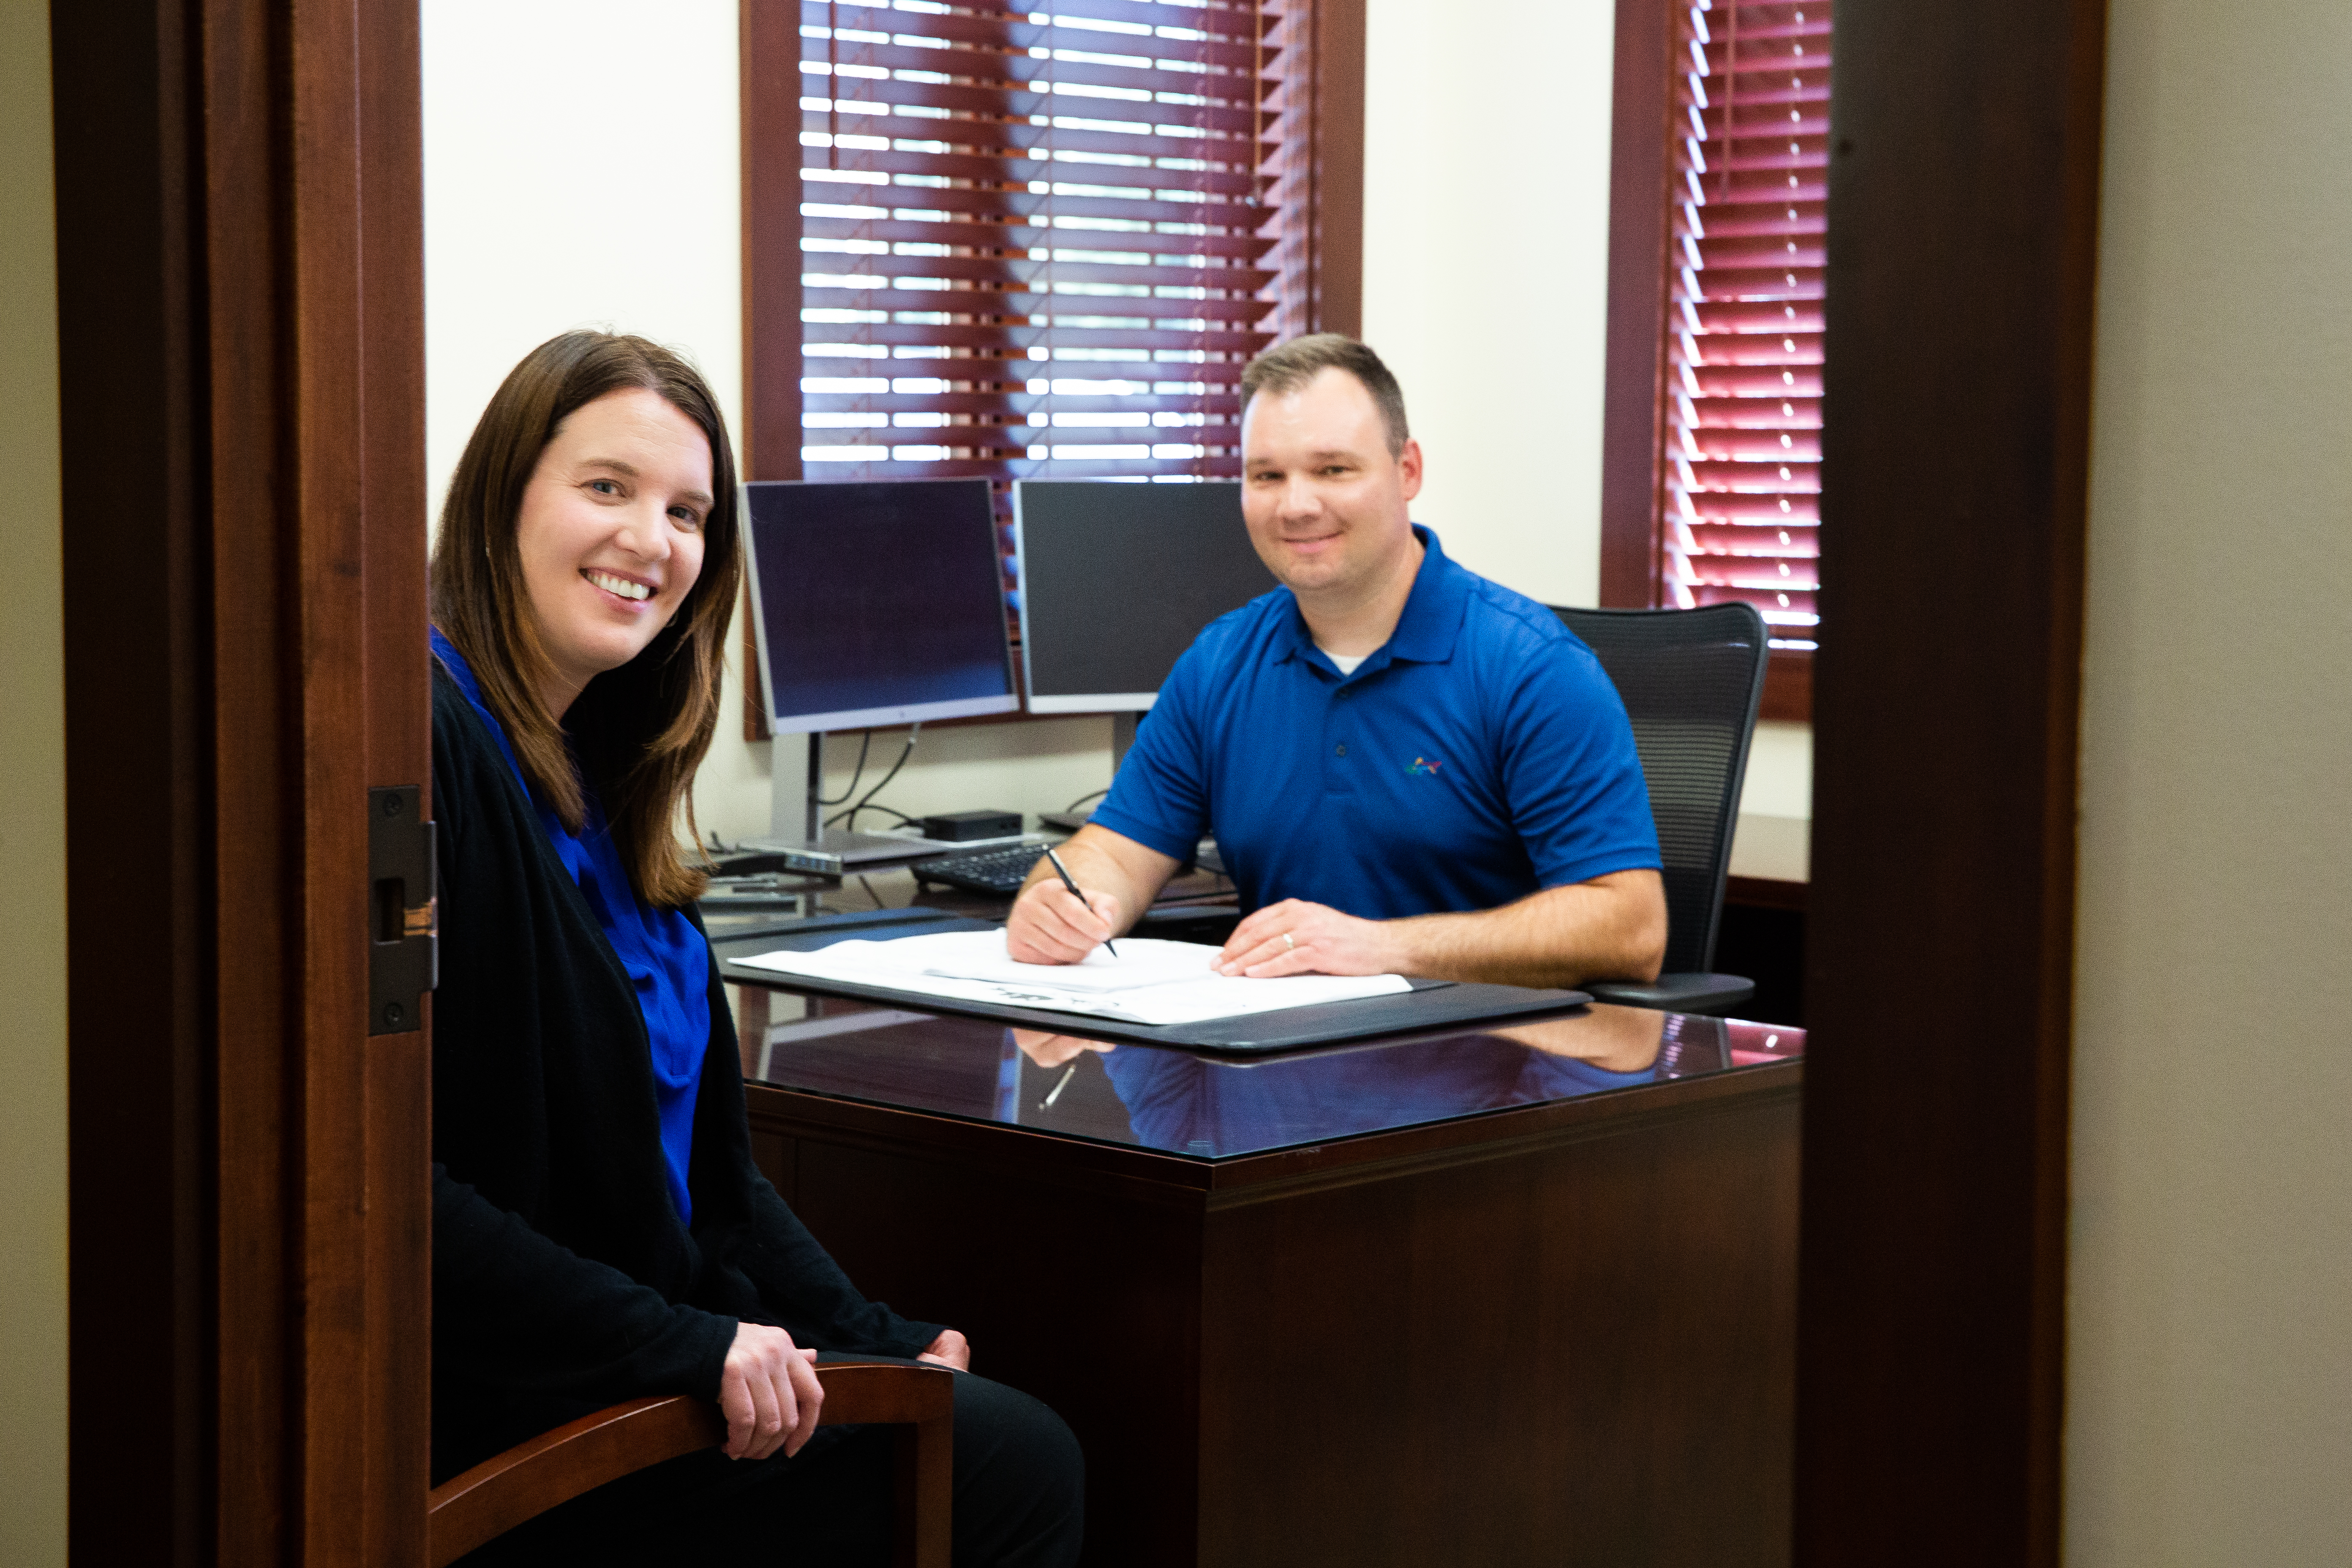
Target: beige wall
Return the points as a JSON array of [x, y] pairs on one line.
[[1487, 279], [32, 822], [2209, 1328]]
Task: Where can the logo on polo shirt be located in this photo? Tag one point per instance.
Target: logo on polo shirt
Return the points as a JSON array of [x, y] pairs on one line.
[[1423, 765]]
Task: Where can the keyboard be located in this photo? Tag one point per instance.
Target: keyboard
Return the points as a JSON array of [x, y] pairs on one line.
[[998, 871]]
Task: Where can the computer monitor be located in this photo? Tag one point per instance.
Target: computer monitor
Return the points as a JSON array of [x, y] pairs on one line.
[[877, 602], [1117, 579], [873, 603]]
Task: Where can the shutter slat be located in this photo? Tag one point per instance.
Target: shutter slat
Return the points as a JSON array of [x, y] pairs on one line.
[[1027, 237], [1136, 310], [1760, 316], [1009, 362], [1001, 63], [1231, 152], [1757, 446], [859, 24], [1749, 284], [1027, 204], [818, 468], [1030, 273], [1012, 442], [1024, 338], [1225, 20], [1011, 167], [1728, 506], [1009, 404], [1798, 251], [1005, 103], [1733, 539]]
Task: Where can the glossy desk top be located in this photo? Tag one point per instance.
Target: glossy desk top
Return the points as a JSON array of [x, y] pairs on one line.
[[1178, 1103]]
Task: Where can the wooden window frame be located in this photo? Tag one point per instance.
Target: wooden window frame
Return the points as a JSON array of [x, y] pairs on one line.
[[1642, 127]]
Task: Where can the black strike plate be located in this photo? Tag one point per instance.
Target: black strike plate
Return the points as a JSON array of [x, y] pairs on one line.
[[403, 960]]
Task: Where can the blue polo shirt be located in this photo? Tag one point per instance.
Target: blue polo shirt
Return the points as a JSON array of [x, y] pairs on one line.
[[1480, 755]]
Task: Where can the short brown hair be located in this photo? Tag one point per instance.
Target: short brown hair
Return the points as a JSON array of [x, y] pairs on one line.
[[638, 732], [1288, 366]]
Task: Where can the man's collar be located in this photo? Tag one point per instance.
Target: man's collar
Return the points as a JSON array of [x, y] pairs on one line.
[[1434, 610], [1425, 632]]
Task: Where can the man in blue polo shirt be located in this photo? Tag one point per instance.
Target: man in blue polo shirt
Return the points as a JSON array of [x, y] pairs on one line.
[[1408, 769]]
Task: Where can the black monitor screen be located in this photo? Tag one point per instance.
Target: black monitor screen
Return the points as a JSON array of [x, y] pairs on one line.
[[877, 603], [1117, 579]]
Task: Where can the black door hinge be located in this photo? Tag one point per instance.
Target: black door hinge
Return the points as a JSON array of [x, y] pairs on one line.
[[403, 960]]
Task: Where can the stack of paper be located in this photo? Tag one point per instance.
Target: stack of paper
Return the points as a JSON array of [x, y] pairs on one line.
[[1147, 982]]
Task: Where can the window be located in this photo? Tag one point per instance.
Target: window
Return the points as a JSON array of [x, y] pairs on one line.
[[1044, 243], [1036, 244], [1715, 355], [1032, 247]]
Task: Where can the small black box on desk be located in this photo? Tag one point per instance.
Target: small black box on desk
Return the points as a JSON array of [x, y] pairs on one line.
[[961, 826]]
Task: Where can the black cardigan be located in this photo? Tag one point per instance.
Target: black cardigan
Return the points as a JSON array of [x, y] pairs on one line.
[[562, 1280]]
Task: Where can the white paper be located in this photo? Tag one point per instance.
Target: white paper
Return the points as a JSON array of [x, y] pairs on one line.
[[1148, 981]]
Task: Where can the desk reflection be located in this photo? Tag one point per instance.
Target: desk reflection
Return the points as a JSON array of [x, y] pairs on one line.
[[1210, 1108]]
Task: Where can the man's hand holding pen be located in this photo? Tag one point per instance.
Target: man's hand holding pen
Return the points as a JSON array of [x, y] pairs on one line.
[[1049, 924]]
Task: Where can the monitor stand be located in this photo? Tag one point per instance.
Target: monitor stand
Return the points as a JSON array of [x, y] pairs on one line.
[[1122, 736], [796, 821]]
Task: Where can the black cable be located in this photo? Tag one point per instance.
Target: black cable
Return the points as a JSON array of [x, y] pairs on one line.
[[868, 884], [849, 815], [863, 740], [867, 800], [1082, 800]]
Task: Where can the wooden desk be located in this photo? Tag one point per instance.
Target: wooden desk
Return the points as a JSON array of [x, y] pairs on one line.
[[1444, 1300]]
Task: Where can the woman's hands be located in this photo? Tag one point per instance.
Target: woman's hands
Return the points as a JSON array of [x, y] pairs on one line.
[[769, 1392]]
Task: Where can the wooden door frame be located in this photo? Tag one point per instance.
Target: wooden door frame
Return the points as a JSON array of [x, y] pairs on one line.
[[1964, 180], [240, 312]]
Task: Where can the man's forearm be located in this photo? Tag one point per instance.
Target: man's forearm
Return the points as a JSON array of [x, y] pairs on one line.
[[1610, 929]]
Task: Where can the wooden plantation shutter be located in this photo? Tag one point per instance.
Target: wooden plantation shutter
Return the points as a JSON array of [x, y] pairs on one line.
[[1040, 244], [1743, 374]]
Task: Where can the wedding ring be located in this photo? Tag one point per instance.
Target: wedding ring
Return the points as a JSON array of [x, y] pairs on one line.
[[1288, 944]]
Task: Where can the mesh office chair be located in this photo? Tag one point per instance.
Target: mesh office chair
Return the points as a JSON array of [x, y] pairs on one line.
[[1691, 680]]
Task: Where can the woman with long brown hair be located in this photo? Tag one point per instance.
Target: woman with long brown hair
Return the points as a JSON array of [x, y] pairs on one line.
[[600, 1230]]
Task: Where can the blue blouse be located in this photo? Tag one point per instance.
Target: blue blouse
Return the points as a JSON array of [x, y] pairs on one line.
[[667, 960]]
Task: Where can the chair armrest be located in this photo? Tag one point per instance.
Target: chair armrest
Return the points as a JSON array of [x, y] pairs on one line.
[[553, 1467], [1689, 993], [528, 1479]]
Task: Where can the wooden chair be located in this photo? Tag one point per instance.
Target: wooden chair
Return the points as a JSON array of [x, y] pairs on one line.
[[504, 1490]]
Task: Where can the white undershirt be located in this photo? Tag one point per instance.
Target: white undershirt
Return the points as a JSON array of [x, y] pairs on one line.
[[1346, 661]]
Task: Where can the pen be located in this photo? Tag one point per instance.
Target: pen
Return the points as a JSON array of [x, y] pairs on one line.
[[1063, 872]]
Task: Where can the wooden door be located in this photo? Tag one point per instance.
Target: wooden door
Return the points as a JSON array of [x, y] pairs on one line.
[[240, 301]]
